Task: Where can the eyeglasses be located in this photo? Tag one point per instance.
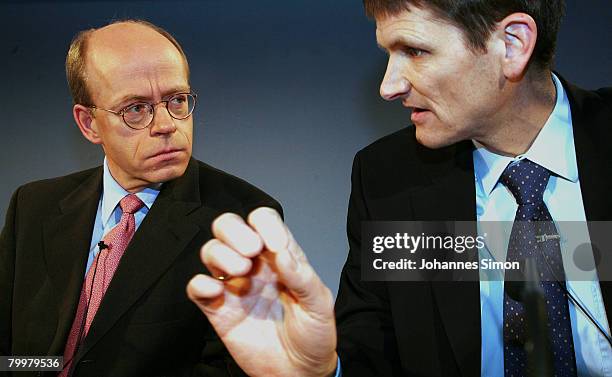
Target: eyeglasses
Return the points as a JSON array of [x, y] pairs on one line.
[[139, 115]]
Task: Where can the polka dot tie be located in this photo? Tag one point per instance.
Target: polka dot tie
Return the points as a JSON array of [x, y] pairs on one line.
[[99, 276], [527, 181]]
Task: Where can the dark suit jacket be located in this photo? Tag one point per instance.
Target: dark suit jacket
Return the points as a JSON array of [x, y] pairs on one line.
[[146, 325], [433, 329]]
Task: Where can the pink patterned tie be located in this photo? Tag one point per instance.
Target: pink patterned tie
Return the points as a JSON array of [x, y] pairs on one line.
[[100, 275]]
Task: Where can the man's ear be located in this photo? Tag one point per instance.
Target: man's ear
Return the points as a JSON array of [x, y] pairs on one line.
[[86, 122], [519, 32]]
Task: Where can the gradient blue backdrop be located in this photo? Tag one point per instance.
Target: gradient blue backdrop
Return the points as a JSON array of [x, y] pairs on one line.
[[288, 92]]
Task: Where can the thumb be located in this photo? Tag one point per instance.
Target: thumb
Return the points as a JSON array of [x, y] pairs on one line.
[[296, 273]]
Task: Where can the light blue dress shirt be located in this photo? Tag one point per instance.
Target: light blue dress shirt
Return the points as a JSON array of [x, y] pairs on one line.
[[109, 213], [553, 149]]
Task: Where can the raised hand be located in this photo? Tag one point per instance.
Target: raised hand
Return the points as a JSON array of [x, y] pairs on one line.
[[271, 309]]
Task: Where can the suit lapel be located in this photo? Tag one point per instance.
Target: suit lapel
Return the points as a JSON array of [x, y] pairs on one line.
[[162, 236], [67, 237], [451, 197]]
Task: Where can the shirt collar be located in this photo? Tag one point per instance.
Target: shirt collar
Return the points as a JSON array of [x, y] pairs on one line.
[[553, 148], [112, 193]]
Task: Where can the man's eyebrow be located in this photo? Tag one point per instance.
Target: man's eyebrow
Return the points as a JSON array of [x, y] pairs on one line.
[[402, 42], [132, 97], [177, 89]]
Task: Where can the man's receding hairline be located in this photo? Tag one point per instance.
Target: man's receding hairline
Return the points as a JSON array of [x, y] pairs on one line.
[[131, 23], [88, 43]]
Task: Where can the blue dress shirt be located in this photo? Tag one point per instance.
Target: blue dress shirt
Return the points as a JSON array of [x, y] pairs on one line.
[[109, 213], [553, 149]]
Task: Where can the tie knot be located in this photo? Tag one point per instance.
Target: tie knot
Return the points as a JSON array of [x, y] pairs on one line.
[[130, 203], [526, 180]]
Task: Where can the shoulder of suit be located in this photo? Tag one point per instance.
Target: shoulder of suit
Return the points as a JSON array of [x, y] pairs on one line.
[[599, 100], [390, 151], [404, 138], [403, 143], [591, 114], [605, 94], [598, 97], [225, 188], [58, 186], [400, 156], [212, 176]]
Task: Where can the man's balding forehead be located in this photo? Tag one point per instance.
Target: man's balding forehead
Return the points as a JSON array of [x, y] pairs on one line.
[[79, 50], [131, 27]]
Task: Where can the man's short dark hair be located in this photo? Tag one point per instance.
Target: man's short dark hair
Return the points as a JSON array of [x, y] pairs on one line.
[[477, 19]]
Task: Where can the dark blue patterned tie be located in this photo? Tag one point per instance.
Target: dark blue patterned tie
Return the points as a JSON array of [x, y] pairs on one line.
[[527, 181]]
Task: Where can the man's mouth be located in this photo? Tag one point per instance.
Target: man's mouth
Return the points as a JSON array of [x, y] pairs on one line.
[[166, 153], [419, 114]]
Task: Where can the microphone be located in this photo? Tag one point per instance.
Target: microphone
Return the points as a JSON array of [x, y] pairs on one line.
[[538, 346], [515, 288], [524, 287], [529, 292], [577, 303], [101, 246]]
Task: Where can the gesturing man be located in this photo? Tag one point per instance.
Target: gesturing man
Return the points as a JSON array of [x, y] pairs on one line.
[[93, 266], [486, 108]]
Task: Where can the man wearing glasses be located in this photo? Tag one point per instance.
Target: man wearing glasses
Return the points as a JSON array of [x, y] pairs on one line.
[[93, 266]]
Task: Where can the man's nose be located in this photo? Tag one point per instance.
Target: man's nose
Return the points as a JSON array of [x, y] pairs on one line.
[[162, 123], [394, 85]]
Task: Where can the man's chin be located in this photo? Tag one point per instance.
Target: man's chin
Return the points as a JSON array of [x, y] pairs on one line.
[[166, 172], [434, 140]]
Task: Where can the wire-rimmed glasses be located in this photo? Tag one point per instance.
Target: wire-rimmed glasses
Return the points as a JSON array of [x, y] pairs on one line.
[[139, 115]]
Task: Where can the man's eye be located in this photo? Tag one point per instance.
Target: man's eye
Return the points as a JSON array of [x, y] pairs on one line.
[[137, 108], [414, 52], [178, 100]]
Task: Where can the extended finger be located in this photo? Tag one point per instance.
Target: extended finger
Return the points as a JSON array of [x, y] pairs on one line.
[[222, 260], [233, 231], [271, 228], [274, 233]]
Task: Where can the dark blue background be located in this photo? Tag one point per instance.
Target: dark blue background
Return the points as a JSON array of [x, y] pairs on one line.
[[288, 92]]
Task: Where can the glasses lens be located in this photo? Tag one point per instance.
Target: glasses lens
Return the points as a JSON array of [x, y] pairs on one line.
[[181, 105], [138, 115]]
